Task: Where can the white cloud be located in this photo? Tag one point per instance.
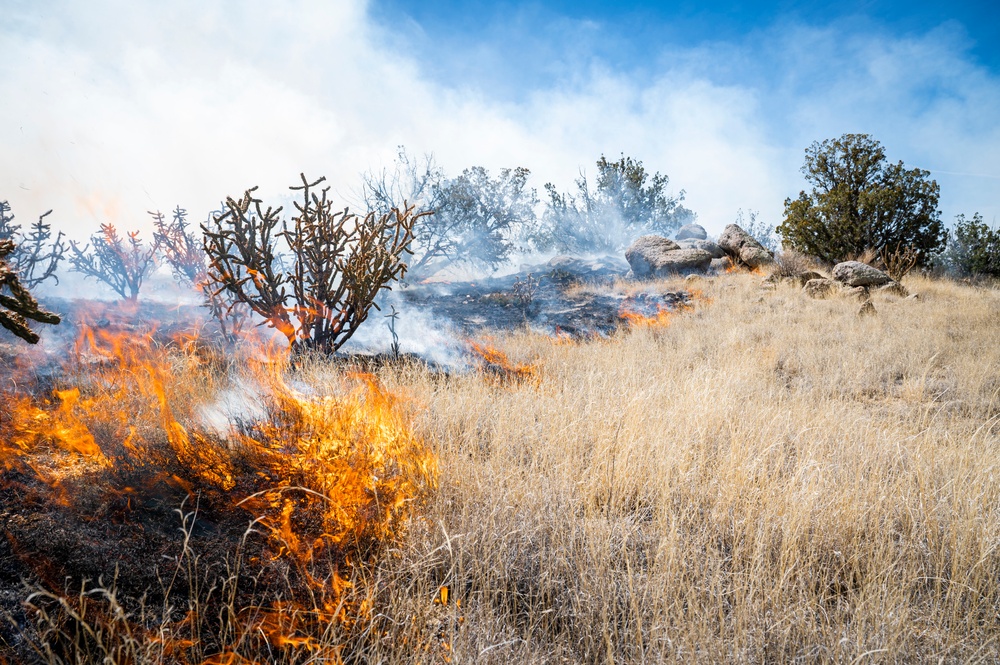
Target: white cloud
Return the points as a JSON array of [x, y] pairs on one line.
[[115, 108]]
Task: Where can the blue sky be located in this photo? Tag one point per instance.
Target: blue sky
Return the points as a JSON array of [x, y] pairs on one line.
[[506, 39], [113, 108]]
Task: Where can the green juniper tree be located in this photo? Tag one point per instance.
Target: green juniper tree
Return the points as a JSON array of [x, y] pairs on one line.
[[859, 201]]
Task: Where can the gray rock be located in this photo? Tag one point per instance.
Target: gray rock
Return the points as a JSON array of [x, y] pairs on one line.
[[743, 247], [682, 262], [706, 245], [894, 288], [691, 232], [858, 292], [855, 273], [720, 265], [819, 288], [655, 256]]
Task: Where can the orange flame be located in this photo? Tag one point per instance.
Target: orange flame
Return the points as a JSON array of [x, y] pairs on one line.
[[497, 367], [328, 477], [636, 319]]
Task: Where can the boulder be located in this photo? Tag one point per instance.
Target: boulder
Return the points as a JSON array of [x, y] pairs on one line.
[[691, 232], [720, 265], [682, 261], [707, 245], [867, 309], [819, 288], [655, 256], [858, 292], [855, 273], [804, 278], [894, 288], [742, 246]]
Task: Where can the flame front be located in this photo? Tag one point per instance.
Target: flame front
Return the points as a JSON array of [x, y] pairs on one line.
[[328, 480]]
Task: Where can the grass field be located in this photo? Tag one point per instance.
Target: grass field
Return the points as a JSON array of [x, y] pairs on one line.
[[765, 478]]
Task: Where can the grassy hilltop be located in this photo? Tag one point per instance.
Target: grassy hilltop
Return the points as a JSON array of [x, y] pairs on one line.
[[759, 477], [767, 478]]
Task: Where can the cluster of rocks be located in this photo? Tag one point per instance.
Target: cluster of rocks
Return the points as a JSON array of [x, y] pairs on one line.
[[691, 252], [850, 278]]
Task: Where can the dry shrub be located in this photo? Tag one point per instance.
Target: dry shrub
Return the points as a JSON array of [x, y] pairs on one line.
[[17, 305], [899, 262], [336, 263], [869, 257], [790, 263]]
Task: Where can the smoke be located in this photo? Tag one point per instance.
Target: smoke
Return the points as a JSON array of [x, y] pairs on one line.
[[417, 331], [112, 109]]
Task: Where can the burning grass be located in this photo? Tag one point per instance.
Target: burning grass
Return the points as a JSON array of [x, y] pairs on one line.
[[768, 478], [281, 511]]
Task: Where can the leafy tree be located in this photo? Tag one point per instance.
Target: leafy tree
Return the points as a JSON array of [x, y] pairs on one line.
[[624, 202], [973, 248], [477, 219], [488, 216], [859, 202]]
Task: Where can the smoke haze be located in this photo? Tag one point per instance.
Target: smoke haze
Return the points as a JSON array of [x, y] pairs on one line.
[[115, 108]]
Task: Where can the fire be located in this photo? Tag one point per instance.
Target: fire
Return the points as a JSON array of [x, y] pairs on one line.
[[326, 478], [734, 268], [496, 366], [660, 318]]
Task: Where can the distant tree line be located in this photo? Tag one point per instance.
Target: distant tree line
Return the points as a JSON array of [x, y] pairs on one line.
[[481, 220]]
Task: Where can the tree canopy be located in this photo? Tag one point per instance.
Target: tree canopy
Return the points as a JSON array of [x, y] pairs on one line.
[[624, 202], [860, 201], [974, 248]]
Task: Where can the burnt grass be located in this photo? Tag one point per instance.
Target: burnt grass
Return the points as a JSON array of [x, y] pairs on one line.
[[555, 304]]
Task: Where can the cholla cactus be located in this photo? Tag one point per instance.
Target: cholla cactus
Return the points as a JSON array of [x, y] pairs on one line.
[[16, 304], [36, 255], [119, 263], [338, 263]]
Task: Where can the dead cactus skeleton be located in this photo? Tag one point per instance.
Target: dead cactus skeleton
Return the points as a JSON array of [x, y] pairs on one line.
[[19, 306], [322, 290], [121, 264]]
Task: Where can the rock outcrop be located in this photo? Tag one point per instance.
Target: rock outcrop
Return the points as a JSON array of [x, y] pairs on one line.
[[691, 232], [820, 287], [855, 273], [656, 256], [744, 248], [706, 245]]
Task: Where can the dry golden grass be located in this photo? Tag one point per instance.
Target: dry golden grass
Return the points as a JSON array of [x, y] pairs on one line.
[[770, 478]]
